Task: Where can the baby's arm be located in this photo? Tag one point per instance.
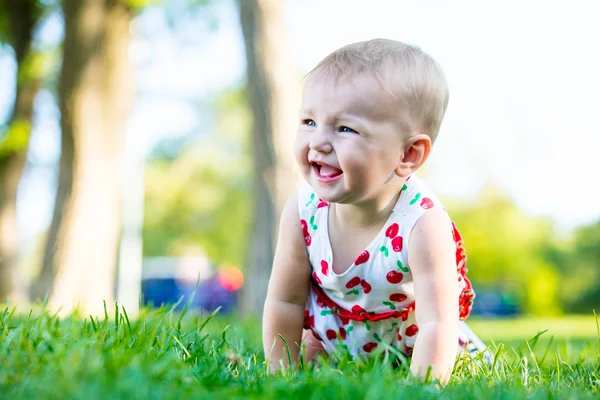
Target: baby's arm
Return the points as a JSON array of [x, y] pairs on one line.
[[288, 289], [432, 261]]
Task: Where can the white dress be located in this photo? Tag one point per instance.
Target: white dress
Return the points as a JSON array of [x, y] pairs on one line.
[[372, 304]]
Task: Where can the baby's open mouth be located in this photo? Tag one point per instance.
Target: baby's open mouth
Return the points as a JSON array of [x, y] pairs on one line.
[[326, 172]]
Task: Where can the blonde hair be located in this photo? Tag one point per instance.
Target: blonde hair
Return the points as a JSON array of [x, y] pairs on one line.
[[403, 70]]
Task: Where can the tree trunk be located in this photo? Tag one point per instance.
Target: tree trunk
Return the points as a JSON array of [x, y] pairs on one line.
[[10, 174], [95, 87], [273, 98], [22, 17]]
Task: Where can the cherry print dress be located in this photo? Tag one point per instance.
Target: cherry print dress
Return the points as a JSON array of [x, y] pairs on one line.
[[371, 305]]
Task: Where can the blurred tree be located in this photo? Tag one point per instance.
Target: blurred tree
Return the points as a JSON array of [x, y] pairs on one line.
[[506, 249], [94, 96], [273, 99], [197, 192], [580, 267], [18, 19]]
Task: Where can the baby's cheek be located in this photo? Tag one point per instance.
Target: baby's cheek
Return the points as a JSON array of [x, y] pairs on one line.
[[301, 154]]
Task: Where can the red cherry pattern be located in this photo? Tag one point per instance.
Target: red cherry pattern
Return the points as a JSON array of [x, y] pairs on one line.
[[322, 204], [343, 333], [369, 347], [394, 277], [411, 330], [397, 244], [426, 203], [353, 282], [331, 334], [305, 233], [304, 226], [366, 286], [324, 267], [392, 231], [309, 320], [396, 241], [398, 297], [358, 309], [316, 278], [362, 258]]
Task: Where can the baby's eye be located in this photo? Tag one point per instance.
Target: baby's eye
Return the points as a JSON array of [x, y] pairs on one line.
[[309, 122], [345, 129]]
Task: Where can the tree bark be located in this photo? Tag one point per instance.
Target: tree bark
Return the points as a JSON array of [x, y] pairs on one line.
[[273, 99], [22, 18], [95, 93]]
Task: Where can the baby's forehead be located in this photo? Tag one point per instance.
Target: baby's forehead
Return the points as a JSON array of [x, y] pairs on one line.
[[359, 92]]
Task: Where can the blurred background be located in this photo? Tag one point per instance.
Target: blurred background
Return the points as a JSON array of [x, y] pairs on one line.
[[146, 145]]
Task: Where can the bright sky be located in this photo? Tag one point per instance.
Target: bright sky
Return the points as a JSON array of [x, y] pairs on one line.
[[523, 78]]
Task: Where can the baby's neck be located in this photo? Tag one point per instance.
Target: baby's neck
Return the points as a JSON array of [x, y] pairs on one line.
[[368, 214]]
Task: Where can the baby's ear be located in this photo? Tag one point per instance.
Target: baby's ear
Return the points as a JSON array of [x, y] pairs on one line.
[[415, 153]]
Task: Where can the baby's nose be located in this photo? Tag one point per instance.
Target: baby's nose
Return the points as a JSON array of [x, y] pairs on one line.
[[321, 144]]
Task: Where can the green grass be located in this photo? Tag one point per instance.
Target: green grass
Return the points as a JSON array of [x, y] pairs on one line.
[[165, 354]]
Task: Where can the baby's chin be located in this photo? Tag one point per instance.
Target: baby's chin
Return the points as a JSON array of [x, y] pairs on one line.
[[329, 196]]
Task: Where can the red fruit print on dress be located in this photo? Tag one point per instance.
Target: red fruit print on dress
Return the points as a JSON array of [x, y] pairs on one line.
[[343, 333], [325, 267], [358, 310], [426, 203], [392, 231], [331, 334], [412, 330], [307, 237], [309, 320], [398, 297], [304, 226], [365, 285], [308, 240], [353, 282], [397, 244], [394, 277], [369, 347], [320, 303], [362, 258], [316, 278], [322, 203], [345, 321]]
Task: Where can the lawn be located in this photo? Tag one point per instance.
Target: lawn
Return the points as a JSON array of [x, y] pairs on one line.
[[167, 354]]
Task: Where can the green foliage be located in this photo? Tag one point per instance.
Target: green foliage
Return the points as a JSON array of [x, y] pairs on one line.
[[580, 266], [506, 248], [202, 197], [39, 8], [139, 5], [16, 138], [169, 355], [35, 67]]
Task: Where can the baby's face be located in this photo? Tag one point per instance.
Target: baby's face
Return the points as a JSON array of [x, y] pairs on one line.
[[349, 142]]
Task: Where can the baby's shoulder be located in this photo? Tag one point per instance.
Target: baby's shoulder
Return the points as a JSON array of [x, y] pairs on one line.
[[417, 197]]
